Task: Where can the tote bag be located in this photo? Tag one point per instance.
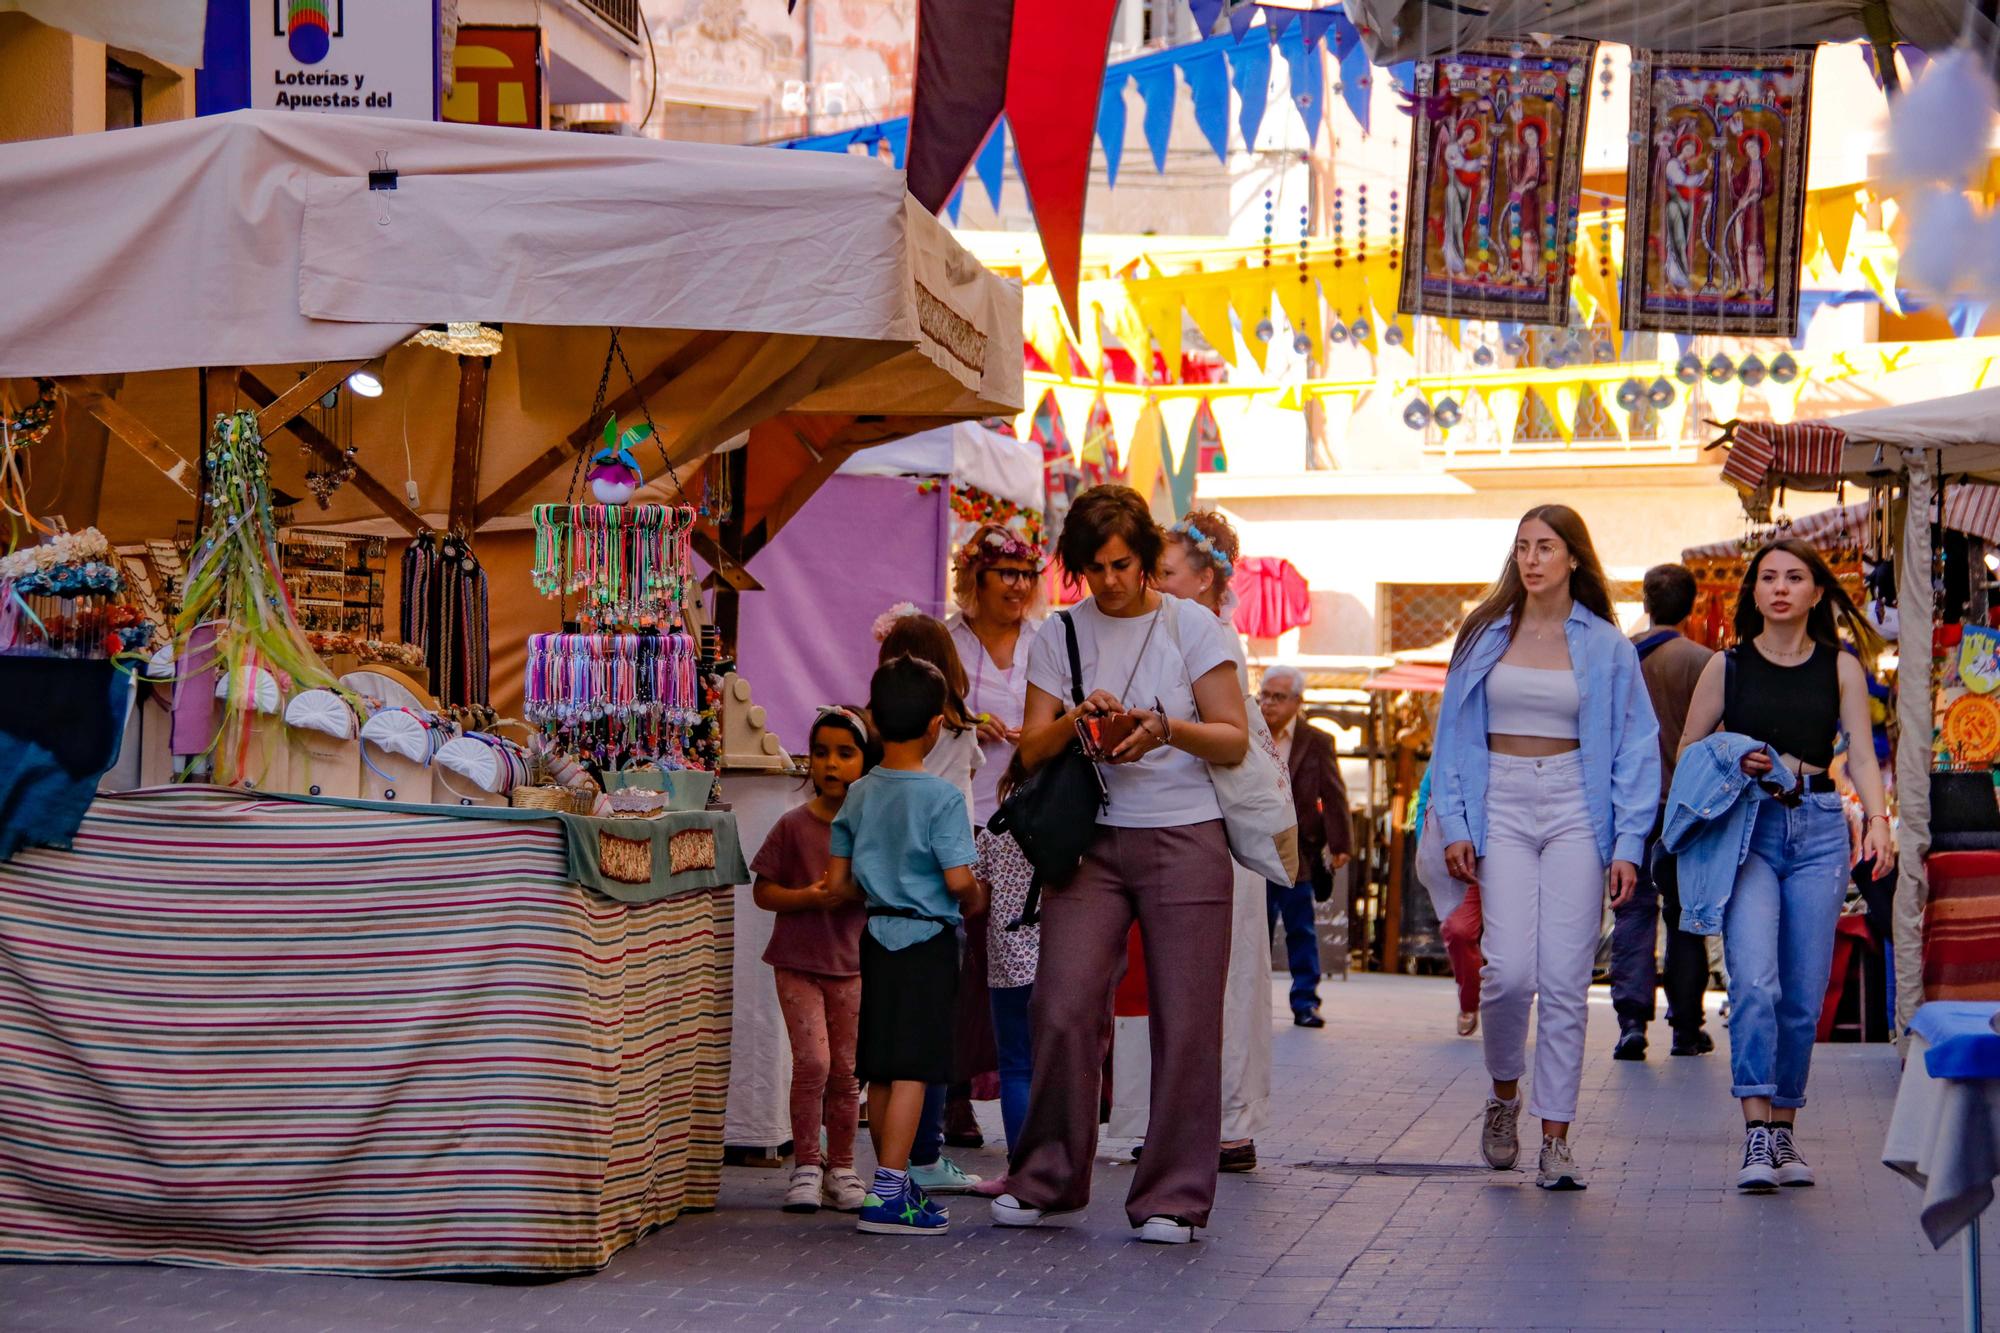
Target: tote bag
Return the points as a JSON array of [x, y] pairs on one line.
[[1255, 795]]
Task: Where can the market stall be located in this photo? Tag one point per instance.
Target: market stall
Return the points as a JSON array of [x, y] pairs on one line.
[[510, 301], [1936, 464], [810, 637]]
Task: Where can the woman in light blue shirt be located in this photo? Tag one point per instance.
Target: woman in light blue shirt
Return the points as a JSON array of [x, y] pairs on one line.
[[1545, 781]]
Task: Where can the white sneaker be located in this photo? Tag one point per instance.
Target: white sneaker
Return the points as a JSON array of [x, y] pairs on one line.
[[843, 1191], [1557, 1168], [1009, 1211], [1500, 1140], [1791, 1169], [1166, 1231], [803, 1195], [1759, 1172]]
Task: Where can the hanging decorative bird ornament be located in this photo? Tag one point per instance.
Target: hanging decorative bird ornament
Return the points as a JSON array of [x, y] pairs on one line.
[[614, 475]]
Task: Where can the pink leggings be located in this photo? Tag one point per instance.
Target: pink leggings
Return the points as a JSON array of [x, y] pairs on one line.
[[822, 1015], [1461, 931]]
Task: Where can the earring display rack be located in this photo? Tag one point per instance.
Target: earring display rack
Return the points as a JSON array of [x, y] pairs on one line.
[[336, 580]]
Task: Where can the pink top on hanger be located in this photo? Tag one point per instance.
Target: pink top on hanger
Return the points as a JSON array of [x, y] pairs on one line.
[[1272, 597]]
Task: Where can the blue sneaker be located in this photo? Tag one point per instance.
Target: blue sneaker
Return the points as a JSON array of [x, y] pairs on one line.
[[911, 1213]]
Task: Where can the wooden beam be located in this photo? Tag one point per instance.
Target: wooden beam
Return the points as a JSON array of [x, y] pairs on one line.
[[391, 504], [467, 441], [729, 537], [128, 428], [304, 394], [510, 491]]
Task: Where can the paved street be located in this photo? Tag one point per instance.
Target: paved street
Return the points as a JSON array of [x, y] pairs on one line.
[[1368, 1213]]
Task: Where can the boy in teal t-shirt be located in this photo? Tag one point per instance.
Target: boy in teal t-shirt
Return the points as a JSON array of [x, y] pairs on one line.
[[903, 844]]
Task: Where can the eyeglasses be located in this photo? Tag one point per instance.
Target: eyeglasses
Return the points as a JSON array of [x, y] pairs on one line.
[[1018, 578], [1274, 697]]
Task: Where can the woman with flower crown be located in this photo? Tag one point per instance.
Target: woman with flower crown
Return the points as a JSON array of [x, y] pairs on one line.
[[997, 583]]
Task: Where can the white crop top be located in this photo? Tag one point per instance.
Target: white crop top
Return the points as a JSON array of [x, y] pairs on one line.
[[1528, 701]]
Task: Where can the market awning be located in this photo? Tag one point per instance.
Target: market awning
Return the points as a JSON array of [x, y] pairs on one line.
[[1396, 30], [1815, 455], [1410, 677], [751, 287]]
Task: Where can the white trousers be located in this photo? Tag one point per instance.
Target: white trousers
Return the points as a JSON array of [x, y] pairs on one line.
[[1246, 1032], [1541, 887]]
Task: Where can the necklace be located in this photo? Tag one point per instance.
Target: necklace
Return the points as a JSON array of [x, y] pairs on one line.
[[1786, 658]]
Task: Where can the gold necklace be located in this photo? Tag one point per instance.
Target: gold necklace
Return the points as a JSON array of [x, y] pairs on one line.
[[1786, 658]]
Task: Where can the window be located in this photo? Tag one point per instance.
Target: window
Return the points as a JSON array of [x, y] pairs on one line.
[[1160, 22], [124, 95]]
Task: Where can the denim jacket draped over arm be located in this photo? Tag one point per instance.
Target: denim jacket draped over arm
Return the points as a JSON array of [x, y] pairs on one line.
[[1710, 815]]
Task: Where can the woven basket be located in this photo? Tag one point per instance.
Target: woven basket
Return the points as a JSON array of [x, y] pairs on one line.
[[541, 798]]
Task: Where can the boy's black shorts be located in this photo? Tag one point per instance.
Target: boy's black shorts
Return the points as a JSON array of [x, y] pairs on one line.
[[909, 1000]]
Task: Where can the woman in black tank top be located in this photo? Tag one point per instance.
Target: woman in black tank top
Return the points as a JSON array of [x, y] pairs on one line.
[[1791, 684]]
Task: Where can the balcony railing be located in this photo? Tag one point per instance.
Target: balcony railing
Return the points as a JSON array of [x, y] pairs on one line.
[[620, 14]]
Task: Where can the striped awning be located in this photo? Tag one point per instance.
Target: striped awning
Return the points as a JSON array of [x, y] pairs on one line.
[[1408, 677]]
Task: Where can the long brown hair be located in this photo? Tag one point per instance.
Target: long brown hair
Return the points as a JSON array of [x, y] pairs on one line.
[[926, 639], [1833, 612], [1508, 594]]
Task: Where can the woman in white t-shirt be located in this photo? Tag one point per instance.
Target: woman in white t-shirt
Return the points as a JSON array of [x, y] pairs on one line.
[[1161, 858], [1199, 562]]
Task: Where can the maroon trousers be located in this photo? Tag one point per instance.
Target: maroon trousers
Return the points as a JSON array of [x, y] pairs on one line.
[[1177, 883]]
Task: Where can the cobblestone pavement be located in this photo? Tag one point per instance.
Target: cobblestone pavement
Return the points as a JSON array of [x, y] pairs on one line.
[[1366, 1214]]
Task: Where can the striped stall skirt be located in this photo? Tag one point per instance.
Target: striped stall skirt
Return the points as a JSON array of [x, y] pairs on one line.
[[240, 1030]]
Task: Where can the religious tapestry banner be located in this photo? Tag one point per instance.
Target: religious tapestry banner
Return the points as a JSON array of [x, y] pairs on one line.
[[1716, 191], [1496, 163]]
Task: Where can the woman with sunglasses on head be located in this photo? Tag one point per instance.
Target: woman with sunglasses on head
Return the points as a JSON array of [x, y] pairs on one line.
[[1545, 782], [1789, 684]]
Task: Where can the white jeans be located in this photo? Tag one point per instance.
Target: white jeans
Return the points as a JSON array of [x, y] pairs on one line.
[[1541, 887]]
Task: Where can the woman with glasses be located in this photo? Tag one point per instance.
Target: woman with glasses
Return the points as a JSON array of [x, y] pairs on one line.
[[1790, 684], [1545, 780], [997, 583]]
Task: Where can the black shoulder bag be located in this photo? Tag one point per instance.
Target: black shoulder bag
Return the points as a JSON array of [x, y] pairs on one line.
[[1053, 815]]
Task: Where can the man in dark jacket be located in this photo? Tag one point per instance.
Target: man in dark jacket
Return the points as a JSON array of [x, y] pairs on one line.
[[1671, 664], [1325, 833]]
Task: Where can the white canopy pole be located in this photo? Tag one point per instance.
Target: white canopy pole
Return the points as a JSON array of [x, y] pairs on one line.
[[1913, 740]]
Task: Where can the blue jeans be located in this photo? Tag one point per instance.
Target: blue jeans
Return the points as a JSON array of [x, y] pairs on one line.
[[1295, 905], [1777, 937], [929, 1145], [1012, 1040]]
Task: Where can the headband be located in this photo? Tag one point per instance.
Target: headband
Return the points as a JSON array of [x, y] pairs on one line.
[[998, 544], [836, 713], [1198, 539], [887, 620]]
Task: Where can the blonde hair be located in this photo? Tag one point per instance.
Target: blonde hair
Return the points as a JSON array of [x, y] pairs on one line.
[[975, 557]]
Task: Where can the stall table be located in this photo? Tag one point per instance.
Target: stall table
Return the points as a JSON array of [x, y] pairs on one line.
[[1945, 1132], [299, 1034]]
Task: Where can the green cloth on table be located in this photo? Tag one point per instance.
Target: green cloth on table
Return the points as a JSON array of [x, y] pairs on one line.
[[586, 863]]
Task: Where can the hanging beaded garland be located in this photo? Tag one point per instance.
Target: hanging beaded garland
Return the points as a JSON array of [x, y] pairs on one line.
[[630, 563], [615, 697]]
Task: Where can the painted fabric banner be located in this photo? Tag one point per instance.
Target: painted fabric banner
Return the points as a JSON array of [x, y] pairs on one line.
[[1717, 189], [1496, 162]]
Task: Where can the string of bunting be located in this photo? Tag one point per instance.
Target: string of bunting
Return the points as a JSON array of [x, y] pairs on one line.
[[1209, 69]]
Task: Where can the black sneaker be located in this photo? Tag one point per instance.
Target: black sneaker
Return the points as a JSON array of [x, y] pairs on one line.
[[1791, 1169], [1631, 1045], [1692, 1041], [1759, 1172], [1308, 1019], [1241, 1158]]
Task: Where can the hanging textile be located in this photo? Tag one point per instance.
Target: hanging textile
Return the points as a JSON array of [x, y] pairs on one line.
[[616, 697], [444, 613], [1496, 170], [1717, 188], [1272, 597]]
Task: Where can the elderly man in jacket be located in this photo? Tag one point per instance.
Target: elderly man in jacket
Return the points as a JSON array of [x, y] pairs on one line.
[[1325, 833]]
